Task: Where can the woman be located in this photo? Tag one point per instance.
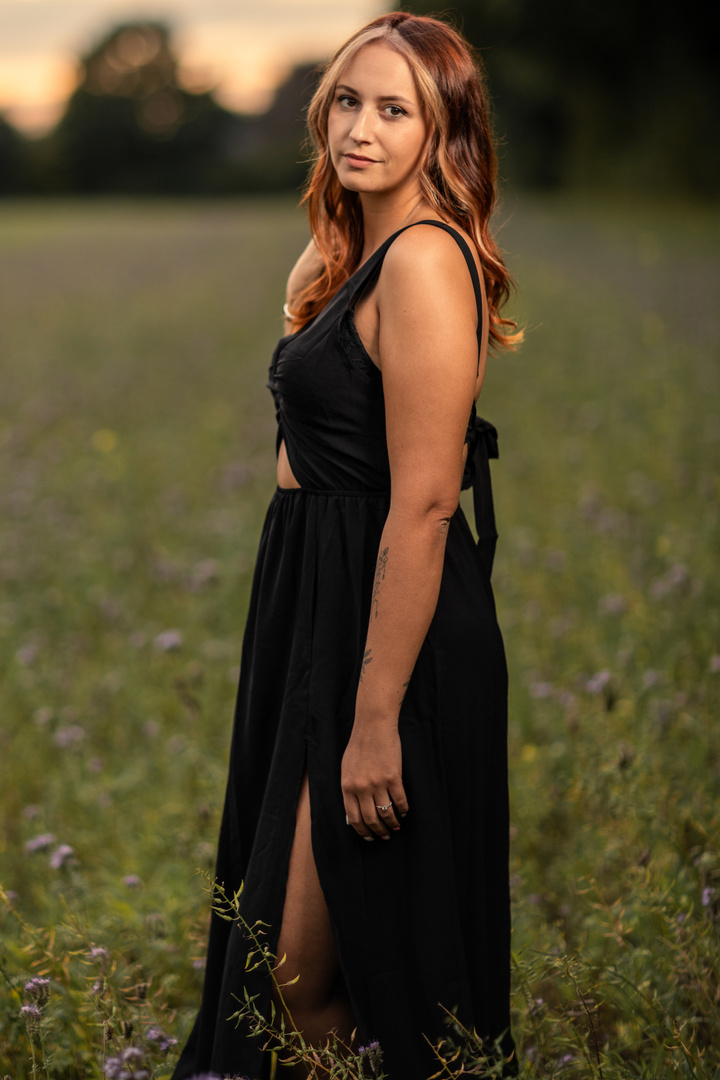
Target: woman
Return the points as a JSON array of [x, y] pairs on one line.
[[366, 810]]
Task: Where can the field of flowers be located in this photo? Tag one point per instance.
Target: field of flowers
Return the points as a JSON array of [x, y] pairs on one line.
[[136, 457]]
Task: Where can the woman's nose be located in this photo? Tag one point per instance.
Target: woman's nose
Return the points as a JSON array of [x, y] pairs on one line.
[[361, 128]]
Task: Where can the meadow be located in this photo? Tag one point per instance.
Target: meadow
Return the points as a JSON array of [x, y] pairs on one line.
[[136, 460]]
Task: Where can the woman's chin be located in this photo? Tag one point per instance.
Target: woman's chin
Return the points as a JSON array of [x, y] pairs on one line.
[[355, 180]]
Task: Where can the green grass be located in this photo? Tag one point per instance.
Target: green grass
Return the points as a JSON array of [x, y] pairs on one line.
[[136, 456]]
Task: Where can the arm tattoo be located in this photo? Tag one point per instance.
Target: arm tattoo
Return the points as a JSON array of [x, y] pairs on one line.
[[367, 659], [379, 576]]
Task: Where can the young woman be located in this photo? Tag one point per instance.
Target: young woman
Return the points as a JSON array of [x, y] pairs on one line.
[[366, 809]]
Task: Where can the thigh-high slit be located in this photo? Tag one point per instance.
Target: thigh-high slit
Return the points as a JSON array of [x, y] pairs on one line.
[[308, 972]]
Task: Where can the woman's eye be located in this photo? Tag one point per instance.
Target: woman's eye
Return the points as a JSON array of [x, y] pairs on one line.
[[345, 99], [395, 110]]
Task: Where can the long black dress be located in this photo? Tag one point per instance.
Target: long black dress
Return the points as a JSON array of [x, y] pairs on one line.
[[424, 918]]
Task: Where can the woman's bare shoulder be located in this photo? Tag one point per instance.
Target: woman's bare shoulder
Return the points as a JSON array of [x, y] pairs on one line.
[[425, 262], [431, 247], [304, 272], [425, 285]]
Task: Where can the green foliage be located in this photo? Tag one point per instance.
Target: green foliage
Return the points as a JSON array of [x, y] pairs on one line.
[[599, 95], [136, 449], [13, 159], [278, 1031]]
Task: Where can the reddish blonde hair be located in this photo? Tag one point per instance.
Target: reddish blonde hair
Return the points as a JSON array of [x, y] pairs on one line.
[[458, 179]]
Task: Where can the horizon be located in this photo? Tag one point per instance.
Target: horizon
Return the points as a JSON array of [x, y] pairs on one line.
[[239, 53]]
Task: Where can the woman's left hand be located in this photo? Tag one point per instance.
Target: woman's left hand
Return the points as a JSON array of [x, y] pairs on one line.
[[372, 787]]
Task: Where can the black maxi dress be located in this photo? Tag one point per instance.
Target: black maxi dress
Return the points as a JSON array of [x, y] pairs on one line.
[[423, 919]]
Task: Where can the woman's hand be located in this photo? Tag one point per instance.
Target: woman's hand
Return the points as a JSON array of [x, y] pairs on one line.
[[372, 785]]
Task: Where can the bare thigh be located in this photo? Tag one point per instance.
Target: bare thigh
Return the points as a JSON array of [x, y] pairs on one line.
[[306, 937]]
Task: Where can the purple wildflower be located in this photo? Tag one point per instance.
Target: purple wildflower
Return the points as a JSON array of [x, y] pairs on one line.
[[168, 640], [612, 604], [32, 1016], [715, 663], [676, 577], [39, 989], [541, 689], [26, 654], [203, 572], [609, 520], [708, 895], [165, 1042], [102, 959], [598, 682], [39, 843], [64, 855], [205, 852], [373, 1053], [132, 881], [128, 1065], [70, 735]]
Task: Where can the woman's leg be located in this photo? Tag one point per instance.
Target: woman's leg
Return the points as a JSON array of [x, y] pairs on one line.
[[317, 1002]]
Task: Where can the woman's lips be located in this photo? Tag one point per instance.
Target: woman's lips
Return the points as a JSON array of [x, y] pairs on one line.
[[359, 162]]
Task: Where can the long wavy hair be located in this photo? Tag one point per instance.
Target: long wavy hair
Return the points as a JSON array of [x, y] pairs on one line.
[[458, 177]]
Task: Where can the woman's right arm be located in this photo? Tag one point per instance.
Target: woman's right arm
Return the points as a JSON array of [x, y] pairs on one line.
[[429, 351], [304, 272]]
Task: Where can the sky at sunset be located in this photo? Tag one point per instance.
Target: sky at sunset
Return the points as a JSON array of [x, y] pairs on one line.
[[242, 48]]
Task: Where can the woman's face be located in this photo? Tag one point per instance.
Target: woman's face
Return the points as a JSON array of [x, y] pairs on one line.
[[377, 132]]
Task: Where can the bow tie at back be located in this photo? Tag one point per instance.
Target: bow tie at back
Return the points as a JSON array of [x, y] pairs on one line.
[[482, 442]]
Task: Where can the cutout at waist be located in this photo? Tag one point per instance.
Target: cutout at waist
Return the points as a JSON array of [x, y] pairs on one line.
[[285, 477]]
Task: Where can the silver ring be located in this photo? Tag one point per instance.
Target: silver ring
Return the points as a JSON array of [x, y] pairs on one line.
[[347, 820], [388, 807]]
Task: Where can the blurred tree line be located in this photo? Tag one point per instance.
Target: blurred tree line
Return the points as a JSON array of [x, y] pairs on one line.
[[616, 94], [131, 127]]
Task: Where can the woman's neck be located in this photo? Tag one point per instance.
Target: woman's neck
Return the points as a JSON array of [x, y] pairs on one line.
[[382, 218]]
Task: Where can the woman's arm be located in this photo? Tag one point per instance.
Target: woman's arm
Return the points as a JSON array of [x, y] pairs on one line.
[[429, 358], [304, 272]]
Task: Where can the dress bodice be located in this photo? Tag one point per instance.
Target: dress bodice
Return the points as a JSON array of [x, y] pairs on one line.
[[330, 406]]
